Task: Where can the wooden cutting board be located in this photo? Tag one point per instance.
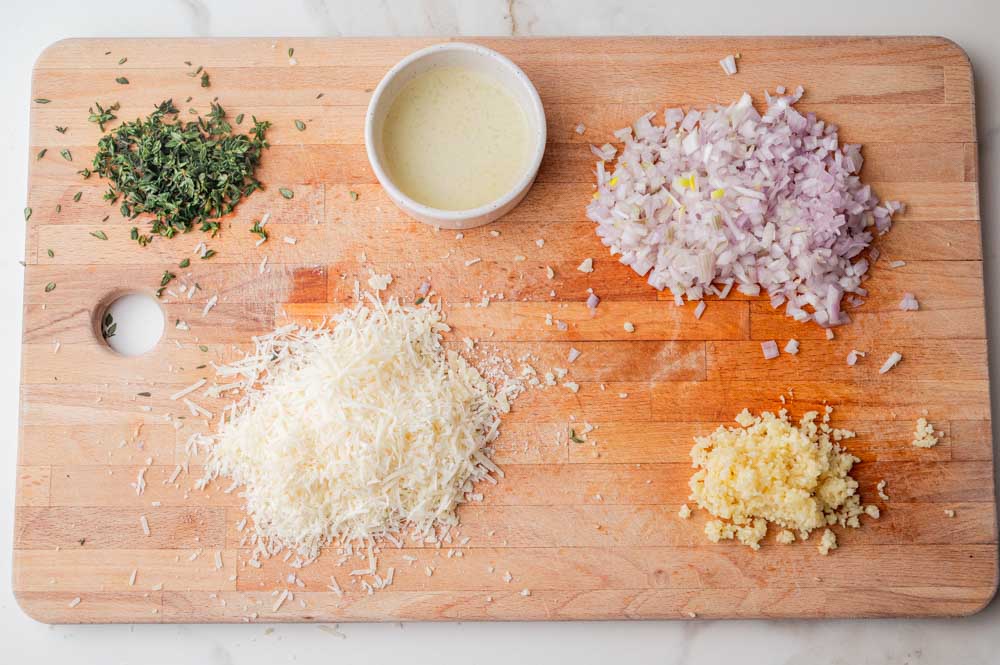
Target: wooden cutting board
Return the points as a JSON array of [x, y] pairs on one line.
[[591, 530]]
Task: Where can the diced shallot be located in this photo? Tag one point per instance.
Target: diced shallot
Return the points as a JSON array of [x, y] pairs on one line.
[[728, 65], [592, 301], [770, 203], [909, 303], [700, 309], [770, 349], [792, 347]]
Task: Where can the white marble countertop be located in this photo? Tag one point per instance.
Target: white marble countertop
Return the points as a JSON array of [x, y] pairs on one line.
[[30, 26]]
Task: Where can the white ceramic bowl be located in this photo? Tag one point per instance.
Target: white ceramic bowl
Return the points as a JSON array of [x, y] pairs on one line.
[[478, 58]]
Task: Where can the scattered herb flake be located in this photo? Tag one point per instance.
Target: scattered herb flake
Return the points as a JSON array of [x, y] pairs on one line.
[[51, 254], [287, 193], [203, 348], [354, 195], [100, 235], [122, 80], [319, 95], [299, 125], [291, 52], [102, 115], [109, 327], [573, 437], [419, 300], [76, 197], [42, 100], [184, 263], [167, 276], [51, 286], [257, 229], [122, 61], [204, 80], [61, 129], [239, 119], [66, 154], [27, 214], [144, 394], [58, 207], [41, 153], [209, 253]]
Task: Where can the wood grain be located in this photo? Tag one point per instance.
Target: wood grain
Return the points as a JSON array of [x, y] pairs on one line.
[[591, 528]]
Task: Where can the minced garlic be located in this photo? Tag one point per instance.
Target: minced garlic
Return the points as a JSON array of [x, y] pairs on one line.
[[771, 470], [925, 436]]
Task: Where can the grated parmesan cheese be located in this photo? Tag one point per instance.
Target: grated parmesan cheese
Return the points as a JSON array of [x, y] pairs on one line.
[[354, 431]]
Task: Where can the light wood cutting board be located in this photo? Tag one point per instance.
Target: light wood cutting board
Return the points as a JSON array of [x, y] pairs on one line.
[[591, 530]]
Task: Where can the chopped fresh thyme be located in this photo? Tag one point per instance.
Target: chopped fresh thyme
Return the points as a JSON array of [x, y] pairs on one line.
[[203, 348], [204, 80], [144, 394], [354, 195], [76, 197], [41, 153], [61, 129], [51, 254], [42, 100], [182, 173], [291, 52], [573, 437], [27, 214], [209, 253], [122, 80], [51, 286], [299, 125], [122, 61], [100, 235], [419, 300], [184, 263], [239, 119], [66, 154], [287, 193]]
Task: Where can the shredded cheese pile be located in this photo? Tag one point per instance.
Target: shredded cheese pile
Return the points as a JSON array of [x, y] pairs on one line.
[[770, 470], [350, 432]]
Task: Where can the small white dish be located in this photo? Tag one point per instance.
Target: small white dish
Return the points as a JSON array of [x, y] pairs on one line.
[[477, 58]]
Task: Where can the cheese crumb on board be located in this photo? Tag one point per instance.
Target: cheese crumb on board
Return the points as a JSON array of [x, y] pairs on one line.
[[684, 512], [948, 512], [880, 489], [771, 470], [628, 326], [785, 537], [924, 436], [586, 266]]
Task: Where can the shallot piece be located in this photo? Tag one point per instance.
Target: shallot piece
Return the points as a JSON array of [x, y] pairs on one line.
[[792, 347], [699, 310], [890, 362], [592, 301], [728, 65], [909, 303], [574, 354], [770, 349], [726, 195], [580, 128]]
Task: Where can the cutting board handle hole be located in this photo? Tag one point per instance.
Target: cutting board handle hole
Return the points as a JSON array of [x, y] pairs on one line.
[[131, 323]]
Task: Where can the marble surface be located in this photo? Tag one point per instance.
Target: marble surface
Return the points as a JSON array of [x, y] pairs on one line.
[[29, 26]]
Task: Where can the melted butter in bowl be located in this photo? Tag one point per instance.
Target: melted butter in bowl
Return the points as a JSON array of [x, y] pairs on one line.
[[456, 139], [455, 134]]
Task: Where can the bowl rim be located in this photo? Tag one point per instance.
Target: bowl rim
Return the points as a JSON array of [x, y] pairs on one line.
[[469, 213]]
